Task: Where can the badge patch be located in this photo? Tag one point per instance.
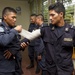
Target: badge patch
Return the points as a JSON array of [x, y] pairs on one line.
[[53, 28], [1, 29], [66, 29], [68, 39]]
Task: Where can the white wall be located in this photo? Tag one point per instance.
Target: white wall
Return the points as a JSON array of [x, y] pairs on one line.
[[24, 17]]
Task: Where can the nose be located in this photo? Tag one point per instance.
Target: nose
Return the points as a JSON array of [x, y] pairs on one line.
[[50, 17], [15, 19]]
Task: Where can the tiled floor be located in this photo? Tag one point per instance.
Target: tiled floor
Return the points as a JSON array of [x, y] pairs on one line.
[[25, 63]]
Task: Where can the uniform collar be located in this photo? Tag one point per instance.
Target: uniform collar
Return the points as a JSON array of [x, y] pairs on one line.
[[54, 29], [41, 25], [6, 27]]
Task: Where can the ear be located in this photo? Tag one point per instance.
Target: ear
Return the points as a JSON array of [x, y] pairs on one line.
[[5, 16], [61, 14]]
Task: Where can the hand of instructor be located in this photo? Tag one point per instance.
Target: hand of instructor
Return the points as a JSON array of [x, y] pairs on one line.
[[18, 28]]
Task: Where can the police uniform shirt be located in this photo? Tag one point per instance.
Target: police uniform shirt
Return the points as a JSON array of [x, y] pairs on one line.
[[6, 37], [32, 27], [58, 43]]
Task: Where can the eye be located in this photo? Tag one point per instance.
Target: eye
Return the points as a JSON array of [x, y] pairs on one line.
[[14, 17], [51, 14]]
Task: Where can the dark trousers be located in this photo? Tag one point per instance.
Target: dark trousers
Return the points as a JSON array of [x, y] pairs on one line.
[[49, 73], [42, 64], [18, 67], [51, 69], [6, 73], [31, 52]]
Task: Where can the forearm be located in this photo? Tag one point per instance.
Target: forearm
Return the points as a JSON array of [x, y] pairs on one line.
[[30, 35]]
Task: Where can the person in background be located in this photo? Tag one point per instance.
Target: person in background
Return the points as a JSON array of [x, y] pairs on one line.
[[31, 47], [9, 43], [40, 49]]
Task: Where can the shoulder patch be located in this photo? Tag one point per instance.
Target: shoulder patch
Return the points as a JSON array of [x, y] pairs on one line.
[[1, 29]]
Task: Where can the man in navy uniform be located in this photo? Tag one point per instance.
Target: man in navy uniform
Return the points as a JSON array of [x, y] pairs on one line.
[[31, 50], [59, 40], [33, 44], [9, 43], [40, 49]]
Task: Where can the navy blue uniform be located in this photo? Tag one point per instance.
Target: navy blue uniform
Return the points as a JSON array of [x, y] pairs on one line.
[[40, 50], [9, 40], [59, 42], [31, 47]]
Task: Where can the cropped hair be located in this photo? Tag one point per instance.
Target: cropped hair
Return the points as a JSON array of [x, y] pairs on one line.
[[6, 10], [33, 15], [41, 16], [58, 7]]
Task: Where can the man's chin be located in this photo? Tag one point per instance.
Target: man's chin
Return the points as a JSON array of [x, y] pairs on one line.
[[12, 25], [52, 23]]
